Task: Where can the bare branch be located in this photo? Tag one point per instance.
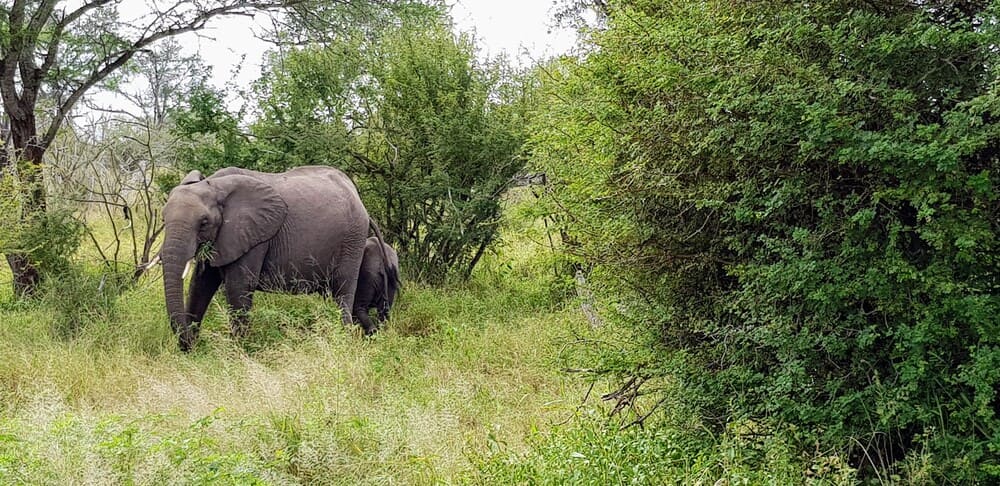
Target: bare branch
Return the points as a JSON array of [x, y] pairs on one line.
[[52, 50], [115, 61]]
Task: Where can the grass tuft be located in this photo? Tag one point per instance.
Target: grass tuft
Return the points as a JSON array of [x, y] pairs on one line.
[[94, 389], [464, 385]]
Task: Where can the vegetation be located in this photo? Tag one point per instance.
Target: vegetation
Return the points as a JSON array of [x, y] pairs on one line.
[[431, 136], [51, 55], [303, 399], [785, 215], [795, 207]]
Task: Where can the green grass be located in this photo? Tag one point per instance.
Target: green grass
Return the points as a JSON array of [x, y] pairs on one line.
[[94, 389], [316, 402], [464, 386]]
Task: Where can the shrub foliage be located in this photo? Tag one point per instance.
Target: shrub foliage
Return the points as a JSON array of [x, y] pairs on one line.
[[430, 135], [800, 198]]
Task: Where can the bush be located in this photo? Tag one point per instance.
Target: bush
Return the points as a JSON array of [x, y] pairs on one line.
[[79, 297], [430, 135], [594, 451], [801, 201], [46, 238], [440, 148]]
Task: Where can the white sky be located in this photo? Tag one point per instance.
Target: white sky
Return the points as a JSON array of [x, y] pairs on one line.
[[517, 28]]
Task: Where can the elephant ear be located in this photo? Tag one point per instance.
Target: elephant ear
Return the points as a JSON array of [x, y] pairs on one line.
[[191, 178], [252, 212]]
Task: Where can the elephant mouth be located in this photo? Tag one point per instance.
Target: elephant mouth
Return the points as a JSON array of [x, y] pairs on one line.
[[205, 252]]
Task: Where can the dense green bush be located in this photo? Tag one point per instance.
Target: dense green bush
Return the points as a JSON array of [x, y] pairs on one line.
[[801, 199], [439, 148], [431, 135], [48, 238]]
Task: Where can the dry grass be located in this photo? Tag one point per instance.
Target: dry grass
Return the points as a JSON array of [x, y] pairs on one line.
[[302, 400]]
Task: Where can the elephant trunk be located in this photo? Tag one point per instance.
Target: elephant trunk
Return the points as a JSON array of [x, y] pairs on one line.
[[178, 249]]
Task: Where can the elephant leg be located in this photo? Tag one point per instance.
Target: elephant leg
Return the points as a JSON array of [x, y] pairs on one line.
[[345, 284], [387, 304], [205, 282], [240, 301], [388, 307], [380, 309], [383, 312], [365, 320], [241, 279]]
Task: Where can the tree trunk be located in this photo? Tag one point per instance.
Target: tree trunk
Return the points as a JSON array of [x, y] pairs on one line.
[[475, 259], [26, 276], [28, 153]]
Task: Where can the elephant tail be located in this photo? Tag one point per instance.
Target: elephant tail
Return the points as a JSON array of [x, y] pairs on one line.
[[392, 278]]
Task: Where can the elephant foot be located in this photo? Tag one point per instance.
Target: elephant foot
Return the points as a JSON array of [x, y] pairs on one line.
[[239, 328], [360, 317], [186, 340]]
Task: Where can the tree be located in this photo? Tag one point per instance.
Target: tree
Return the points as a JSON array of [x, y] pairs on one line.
[[794, 206], [106, 166], [53, 52], [581, 14], [157, 83], [431, 136], [438, 142]]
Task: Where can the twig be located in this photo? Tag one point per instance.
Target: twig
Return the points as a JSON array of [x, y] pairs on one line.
[[576, 411], [642, 419]]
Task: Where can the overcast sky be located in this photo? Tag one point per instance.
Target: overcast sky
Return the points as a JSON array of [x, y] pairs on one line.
[[519, 28]]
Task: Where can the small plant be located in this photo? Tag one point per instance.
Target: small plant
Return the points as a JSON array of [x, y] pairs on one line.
[[47, 238], [79, 297]]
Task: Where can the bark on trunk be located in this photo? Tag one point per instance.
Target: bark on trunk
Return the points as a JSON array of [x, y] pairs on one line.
[[29, 154], [26, 276]]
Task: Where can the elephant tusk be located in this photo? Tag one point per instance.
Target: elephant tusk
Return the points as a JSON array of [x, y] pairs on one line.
[[153, 262], [187, 269]]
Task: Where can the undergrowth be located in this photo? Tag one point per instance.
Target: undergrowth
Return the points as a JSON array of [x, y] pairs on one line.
[[481, 382], [93, 389]]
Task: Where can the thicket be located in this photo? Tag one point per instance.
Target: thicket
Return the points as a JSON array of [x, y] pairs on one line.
[[430, 134], [794, 205]]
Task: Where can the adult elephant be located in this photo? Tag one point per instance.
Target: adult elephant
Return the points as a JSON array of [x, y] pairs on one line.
[[301, 231]]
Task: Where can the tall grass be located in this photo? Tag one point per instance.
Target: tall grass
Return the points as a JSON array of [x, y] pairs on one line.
[[466, 384], [94, 390]]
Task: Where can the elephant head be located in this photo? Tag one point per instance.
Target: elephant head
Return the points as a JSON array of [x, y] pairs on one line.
[[233, 213]]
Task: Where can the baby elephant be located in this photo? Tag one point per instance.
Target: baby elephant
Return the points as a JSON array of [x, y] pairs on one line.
[[378, 284]]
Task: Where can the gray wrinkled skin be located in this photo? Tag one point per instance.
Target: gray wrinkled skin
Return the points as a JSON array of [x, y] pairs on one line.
[[300, 231], [378, 283]]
